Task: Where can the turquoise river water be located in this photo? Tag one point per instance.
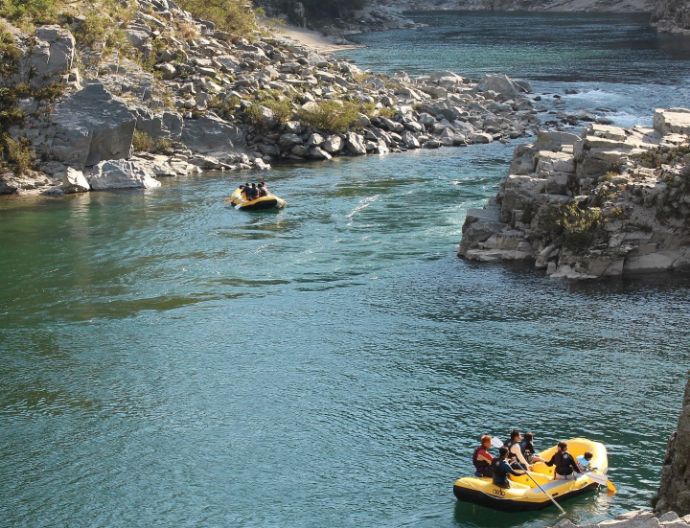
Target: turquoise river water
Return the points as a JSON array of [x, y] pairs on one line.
[[169, 361]]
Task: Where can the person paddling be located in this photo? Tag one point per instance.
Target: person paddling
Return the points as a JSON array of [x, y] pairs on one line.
[[482, 459], [501, 469], [567, 467]]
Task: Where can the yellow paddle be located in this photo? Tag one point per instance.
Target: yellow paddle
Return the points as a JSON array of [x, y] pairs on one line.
[[529, 474], [497, 443]]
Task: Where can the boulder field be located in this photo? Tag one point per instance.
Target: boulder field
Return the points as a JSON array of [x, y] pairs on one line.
[[191, 98], [605, 203]]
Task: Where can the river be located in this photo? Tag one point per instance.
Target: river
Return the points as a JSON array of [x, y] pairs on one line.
[[169, 361]]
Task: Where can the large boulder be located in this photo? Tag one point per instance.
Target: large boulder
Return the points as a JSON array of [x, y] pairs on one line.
[[90, 126], [74, 181], [674, 492], [123, 174], [43, 59], [355, 144], [673, 120], [52, 56], [210, 134], [502, 85]]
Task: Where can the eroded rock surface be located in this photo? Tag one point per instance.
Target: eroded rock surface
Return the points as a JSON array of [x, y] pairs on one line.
[[610, 202], [674, 492]]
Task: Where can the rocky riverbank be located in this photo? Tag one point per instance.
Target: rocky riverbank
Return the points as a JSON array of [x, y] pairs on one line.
[[605, 203], [187, 97], [672, 16], [674, 492]]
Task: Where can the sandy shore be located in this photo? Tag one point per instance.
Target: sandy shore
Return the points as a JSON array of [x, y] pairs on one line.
[[313, 39]]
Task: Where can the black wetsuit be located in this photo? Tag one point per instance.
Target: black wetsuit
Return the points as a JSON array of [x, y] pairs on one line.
[[564, 462], [501, 469]]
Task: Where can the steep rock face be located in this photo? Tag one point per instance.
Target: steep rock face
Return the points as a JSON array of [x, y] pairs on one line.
[[674, 492], [672, 16], [612, 202], [89, 127]]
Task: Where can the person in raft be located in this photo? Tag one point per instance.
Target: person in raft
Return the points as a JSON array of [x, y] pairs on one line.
[[482, 459], [527, 446], [567, 467], [585, 462], [501, 469], [516, 457]]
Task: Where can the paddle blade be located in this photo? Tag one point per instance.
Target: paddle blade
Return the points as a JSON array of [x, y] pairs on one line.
[[611, 487], [495, 442], [599, 479]]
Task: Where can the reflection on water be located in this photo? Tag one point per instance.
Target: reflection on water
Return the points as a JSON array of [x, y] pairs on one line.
[[167, 360]]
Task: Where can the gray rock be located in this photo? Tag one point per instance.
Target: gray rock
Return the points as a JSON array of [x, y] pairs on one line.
[[355, 144], [480, 137], [74, 181], [333, 144], [168, 71], [122, 174], [51, 56], [90, 126], [674, 120], [210, 134], [318, 153], [315, 140], [674, 492], [501, 84]]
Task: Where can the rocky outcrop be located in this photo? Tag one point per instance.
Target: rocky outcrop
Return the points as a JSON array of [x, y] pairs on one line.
[[672, 16], [43, 59], [674, 492], [610, 202]]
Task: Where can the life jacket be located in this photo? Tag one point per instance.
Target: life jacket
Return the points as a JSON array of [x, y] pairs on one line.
[[509, 445], [475, 459], [500, 475]]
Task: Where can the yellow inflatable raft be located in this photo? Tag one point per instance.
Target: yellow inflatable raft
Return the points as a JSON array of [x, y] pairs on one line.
[[263, 202], [524, 494]]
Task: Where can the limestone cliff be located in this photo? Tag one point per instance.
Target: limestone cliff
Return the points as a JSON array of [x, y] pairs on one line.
[[606, 203], [672, 16], [674, 492]]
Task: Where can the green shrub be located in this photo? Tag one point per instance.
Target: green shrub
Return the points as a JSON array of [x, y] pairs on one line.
[[9, 53], [224, 107], [142, 142], [17, 153], [282, 110], [580, 226], [332, 116], [34, 11], [275, 101], [233, 16], [388, 112]]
